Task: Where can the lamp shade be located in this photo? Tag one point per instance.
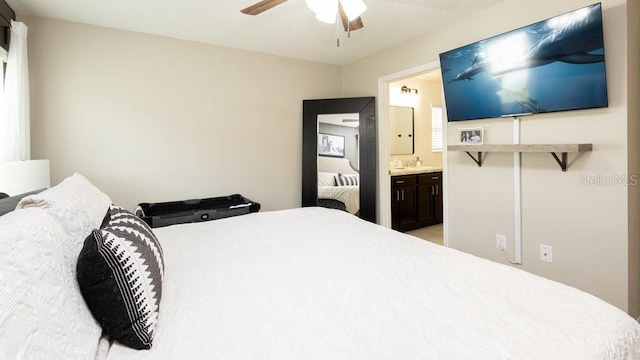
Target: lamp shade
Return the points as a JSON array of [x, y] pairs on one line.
[[17, 177]]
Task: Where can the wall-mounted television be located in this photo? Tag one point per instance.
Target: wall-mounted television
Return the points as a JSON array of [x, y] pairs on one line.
[[553, 65]]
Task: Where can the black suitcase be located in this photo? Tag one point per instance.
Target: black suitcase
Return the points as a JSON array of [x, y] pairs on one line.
[[196, 210]]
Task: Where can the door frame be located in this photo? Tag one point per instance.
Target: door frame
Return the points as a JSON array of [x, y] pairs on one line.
[[384, 179]]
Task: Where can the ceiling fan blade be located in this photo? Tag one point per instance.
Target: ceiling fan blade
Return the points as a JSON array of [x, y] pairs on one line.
[[350, 120], [354, 24], [261, 6]]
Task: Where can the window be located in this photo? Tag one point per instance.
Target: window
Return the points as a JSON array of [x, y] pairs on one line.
[[436, 129]]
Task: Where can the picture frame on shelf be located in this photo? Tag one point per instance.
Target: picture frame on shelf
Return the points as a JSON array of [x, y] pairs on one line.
[[330, 145], [471, 136]]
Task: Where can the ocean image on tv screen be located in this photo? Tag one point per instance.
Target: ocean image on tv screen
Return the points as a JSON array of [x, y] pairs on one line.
[[553, 65]]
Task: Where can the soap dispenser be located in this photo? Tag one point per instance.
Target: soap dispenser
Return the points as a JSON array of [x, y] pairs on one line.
[[418, 161]]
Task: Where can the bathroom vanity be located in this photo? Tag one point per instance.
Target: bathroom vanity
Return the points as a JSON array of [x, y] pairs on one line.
[[416, 197]]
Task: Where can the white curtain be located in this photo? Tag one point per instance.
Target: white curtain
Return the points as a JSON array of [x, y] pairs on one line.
[[15, 129]]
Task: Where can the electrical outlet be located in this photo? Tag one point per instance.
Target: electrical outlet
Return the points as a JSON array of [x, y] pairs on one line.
[[546, 253], [501, 242]]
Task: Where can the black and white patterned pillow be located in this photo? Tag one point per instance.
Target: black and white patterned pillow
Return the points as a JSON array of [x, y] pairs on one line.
[[347, 180], [120, 273]]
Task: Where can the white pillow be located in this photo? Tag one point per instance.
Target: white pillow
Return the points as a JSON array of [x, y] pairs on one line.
[[76, 203], [326, 179], [42, 313]]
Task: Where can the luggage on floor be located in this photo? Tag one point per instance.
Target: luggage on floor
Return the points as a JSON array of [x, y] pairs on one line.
[[195, 210]]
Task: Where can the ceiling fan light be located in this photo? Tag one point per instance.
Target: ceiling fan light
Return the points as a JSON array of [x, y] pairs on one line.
[[322, 6], [328, 16], [353, 8]]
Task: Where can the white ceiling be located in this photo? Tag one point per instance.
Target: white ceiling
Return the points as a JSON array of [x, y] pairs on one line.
[[289, 29]]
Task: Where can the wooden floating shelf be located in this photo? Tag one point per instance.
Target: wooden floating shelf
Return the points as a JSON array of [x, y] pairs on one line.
[[569, 148], [553, 149]]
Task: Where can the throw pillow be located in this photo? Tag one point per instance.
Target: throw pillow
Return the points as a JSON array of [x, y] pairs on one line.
[[120, 273], [347, 180]]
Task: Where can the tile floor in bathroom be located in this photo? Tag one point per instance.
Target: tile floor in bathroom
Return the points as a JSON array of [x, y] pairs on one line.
[[433, 234]]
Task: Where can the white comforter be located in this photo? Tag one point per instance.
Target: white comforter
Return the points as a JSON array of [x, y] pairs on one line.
[[316, 283], [349, 195]]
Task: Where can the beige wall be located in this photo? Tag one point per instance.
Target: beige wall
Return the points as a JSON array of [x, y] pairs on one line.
[[148, 118], [587, 226], [151, 119], [429, 93]]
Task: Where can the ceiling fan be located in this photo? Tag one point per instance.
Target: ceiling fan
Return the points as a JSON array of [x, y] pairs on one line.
[[325, 10]]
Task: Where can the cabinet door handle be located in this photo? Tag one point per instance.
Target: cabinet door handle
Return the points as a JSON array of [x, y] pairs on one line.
[[437, 189], [432, 191], [399, 181], [402, 195], [397, 195]]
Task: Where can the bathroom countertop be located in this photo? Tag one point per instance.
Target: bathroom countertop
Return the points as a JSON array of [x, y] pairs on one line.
[[414, 170]]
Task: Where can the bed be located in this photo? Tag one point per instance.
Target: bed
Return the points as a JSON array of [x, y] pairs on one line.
[[309, 283], [338, 185]]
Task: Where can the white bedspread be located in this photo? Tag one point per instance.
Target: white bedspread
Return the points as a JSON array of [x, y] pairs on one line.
[[349, 195], [315, 283]]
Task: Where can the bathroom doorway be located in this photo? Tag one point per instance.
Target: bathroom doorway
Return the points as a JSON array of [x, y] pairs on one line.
[[420, 90]]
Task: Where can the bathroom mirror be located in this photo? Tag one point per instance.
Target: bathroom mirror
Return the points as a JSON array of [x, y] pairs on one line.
[[358, 151], [401, 123]]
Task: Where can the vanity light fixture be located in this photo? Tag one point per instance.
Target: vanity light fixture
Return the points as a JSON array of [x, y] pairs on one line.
[[407, 90]]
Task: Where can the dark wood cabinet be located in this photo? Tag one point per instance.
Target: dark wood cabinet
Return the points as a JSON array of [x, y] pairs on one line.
[[403, 202], [416, 201]]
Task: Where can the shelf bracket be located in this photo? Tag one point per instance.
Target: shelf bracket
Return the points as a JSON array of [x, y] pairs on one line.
[[478, 160], [563, 162]]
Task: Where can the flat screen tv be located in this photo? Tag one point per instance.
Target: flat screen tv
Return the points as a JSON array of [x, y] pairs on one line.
[[553, 65]]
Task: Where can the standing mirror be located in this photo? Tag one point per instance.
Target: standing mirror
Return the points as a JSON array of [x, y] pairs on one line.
[[339, 155]]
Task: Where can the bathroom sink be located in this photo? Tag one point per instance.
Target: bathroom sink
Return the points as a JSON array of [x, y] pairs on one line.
[[413, 170]]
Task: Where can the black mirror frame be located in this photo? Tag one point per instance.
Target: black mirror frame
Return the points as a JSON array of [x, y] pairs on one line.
[[366, 108]]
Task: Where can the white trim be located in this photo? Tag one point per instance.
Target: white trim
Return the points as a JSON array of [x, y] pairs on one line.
[[384, 179], [517, 194], [4, 55], [441, 126]]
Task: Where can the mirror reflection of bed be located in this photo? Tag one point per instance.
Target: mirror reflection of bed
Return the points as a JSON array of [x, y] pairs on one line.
[[338, 185], [349, 125]]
